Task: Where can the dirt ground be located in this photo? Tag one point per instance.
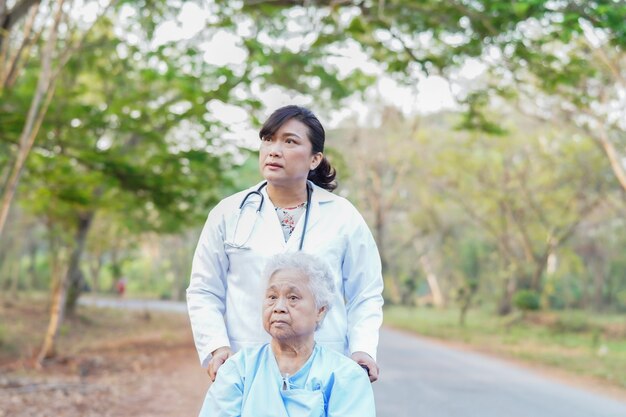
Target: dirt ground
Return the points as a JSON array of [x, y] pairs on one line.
[[113, 364]]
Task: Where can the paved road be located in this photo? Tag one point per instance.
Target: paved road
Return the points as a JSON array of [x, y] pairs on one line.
[[131, 304], [425, 379]]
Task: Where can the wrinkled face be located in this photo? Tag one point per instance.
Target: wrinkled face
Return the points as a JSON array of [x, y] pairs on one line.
[[289, 311], [286, 157]]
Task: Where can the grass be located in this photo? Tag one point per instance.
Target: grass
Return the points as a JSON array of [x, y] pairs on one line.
[[574, 341]]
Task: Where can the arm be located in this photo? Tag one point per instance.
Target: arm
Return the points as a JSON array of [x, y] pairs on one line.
[[225, 396], [351, 394], [363, 286], [206, 294]]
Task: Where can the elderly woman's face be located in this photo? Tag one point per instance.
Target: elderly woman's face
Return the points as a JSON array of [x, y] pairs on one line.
[[289, 311]]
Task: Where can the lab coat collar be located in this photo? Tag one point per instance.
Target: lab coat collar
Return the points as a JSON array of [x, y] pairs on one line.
[[320, 196]]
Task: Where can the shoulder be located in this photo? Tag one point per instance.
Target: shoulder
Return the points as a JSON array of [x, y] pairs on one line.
[[250, 356], [339, 211], [331, 201], [240, 363], [341, 364]]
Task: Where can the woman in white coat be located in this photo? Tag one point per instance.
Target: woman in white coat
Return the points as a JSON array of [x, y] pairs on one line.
[[293, 209]]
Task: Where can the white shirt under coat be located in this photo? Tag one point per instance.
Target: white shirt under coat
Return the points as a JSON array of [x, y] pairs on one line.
[[225, 294]]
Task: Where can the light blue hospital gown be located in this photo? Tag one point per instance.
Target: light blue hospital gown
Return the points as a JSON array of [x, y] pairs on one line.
[[249, 384]]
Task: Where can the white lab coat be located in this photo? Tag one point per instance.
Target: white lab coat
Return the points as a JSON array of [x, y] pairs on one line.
[[225, 293]]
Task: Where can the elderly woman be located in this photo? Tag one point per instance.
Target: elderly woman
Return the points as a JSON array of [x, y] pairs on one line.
[[292, 376]]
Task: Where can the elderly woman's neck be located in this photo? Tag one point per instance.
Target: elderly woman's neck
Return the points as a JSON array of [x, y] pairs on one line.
[[290, 357], [287, 195]]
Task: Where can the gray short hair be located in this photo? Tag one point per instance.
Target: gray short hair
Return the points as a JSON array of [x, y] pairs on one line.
[[321, 282]]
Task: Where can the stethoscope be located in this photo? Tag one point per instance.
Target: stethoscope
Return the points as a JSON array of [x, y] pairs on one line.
[[257, 192]]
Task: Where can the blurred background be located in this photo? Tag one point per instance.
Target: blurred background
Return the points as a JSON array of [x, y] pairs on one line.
[[484, 142]]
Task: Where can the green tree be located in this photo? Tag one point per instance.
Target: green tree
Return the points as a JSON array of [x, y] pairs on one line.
[[54, 49], [518, 190], [129, 136], [380, 159], [470, 208], [550, 57]]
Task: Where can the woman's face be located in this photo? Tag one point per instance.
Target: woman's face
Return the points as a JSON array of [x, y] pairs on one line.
[[286, 157], [289, 311]]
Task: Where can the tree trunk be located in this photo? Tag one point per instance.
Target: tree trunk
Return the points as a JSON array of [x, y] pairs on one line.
[[9, 18], [395, 289], [11, 64], [56, 311], [38, 108], [380, 236], [116, 267], [616, 161], [178, 266], [94, 269], [4, 250], [433, 282], [540, 266], [5, 171], [465, 306], [75, 278], [599, 278], [33, 249], [506, 303], [56, 318], [14, 276]]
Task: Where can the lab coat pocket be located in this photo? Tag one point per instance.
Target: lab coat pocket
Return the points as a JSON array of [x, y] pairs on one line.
[[303, 402]]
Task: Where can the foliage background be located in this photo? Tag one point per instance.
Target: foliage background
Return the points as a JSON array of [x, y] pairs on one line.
[[112, 150]]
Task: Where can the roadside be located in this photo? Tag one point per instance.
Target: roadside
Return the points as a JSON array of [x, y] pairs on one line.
[[588, 352], [109, 363]]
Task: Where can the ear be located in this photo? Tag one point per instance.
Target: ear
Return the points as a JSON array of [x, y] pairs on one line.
[[321, 312], [316, 159]]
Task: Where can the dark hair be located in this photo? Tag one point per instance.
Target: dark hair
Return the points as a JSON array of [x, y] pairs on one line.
[[322, 176]]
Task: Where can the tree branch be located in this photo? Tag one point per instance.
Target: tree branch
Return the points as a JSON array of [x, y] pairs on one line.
[[13, 16], [10, 75]]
